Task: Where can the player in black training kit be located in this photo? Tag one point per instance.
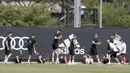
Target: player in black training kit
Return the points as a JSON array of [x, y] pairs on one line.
[[72, 47], [55, 46], [31, 45], [8, 48], [93, 50]]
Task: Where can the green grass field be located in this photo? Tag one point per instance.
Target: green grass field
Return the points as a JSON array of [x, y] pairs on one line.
[[59, 68]]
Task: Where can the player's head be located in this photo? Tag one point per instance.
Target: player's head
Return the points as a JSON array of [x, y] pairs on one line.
[[96, 35], [10, 34], [74, 36], [33, 35], [59, 31], [108, 41], [113, 36]]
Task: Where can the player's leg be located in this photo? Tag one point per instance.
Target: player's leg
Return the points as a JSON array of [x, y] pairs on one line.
[[117, 61], [53, 55], [70, 58], [109, 59], [97, 55], [29, 59], [109, 55], [54, 47], [121, 56], [73, 58], [17, 58], [5, 61], [8, 55], [57, 55], [40, 59], [30, 55], [91, 52], [124, 58], [115, 56]]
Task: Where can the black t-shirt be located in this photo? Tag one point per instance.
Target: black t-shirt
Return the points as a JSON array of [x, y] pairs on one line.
[[55, 41], [9, 41], [108, 46], [31, 42], [94, 45], [72, 44], [111, 40]]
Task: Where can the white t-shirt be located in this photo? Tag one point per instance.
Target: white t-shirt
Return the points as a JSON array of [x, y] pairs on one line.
[[124, 48], [113, 47], [89, 60]]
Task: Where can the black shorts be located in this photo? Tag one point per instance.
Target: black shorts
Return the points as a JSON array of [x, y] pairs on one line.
[[71, 51], [110, 51], [54, 46], [30, 50], [93, 51], [114, 54], [123, 54], [7, 52]]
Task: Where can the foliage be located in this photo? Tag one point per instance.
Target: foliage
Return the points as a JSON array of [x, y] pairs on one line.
[[28, 16], [115, 14]]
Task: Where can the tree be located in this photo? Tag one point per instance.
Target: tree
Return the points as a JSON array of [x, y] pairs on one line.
[[90, 3], [114, 17]]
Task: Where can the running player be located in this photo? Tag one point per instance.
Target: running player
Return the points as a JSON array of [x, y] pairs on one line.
[[31, 45], [8, 48], [93, 49], [55, 46], [72, 47]]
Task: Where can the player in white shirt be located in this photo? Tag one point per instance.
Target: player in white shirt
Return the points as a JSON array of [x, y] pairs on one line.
[[114, 52], [89, 60], [123, 53]]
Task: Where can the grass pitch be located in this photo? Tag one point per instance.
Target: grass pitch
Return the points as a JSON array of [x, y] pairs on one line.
[[59, 68]]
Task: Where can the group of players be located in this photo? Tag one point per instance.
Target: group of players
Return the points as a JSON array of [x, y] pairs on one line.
[[31, 45], [55, 47], [116, 47]]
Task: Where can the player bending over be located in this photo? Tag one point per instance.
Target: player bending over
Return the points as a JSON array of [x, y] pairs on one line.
[[114, 52]]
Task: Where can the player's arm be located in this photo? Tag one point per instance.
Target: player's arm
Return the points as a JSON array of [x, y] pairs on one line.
[[98, 43], [34, 46], [75, 44], [122, 50], [124, 47], [58, 37], [26, 40], [7, 45]]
